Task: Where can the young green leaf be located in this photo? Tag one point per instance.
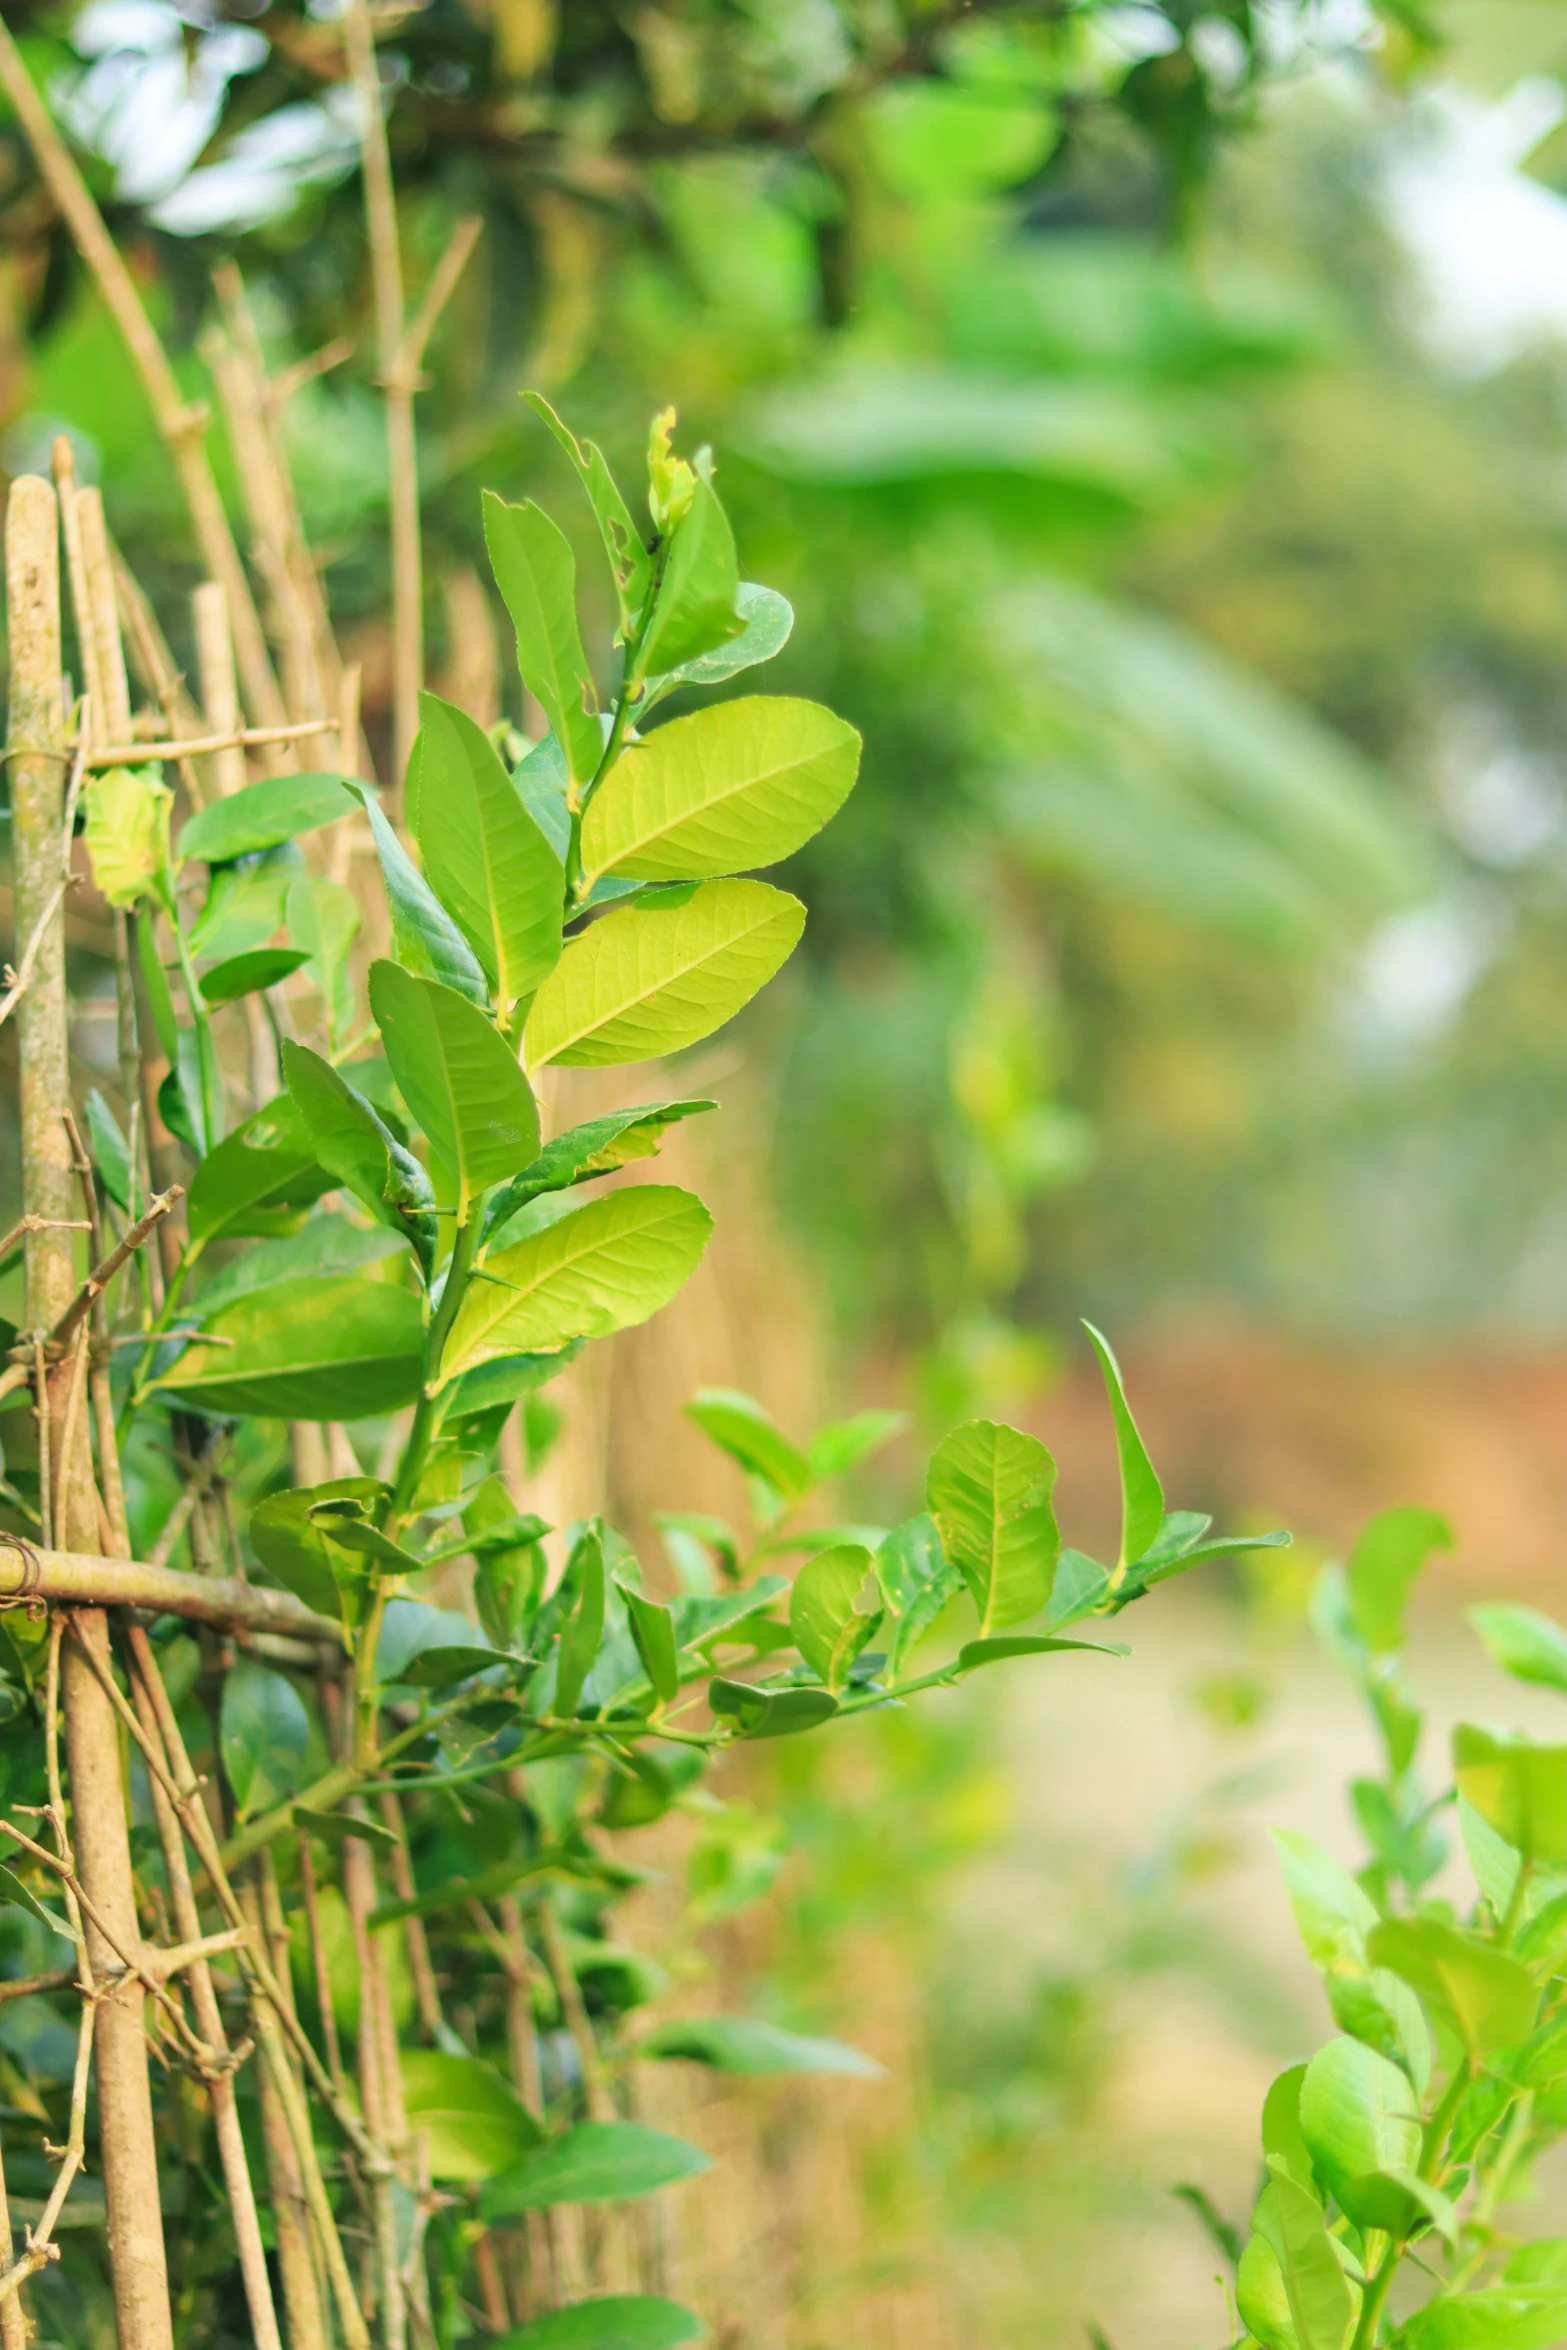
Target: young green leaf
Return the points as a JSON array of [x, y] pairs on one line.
[[128, 833], [425, 939], [629, 561], [1525, 1643], [1142, 1496], [537, 576], [1388, 1556], [741, 2044], [470, 2122], [262, 816], [596, 1148], [111, 1152], [246, 974], [769, 622], [597, 2162], [1358, 2113], [975, 1653], [458, 1077], [263, 1734], [751, 1436], [599, 1268], [769, 1713], [695, 608], [261, 1179], [326, 1244], [653, 1630], [307, 1350], [610, 2321], [1486, 1998], [354, 1144], [836, 1449], [484, 855], [720, 791], [1281, 2128], [296, 1549], [829, 1626], [988, 1489], [1321, 2302], [244, 903], [648, 980], [584, 1628], [1519, 1788], [323, 921]]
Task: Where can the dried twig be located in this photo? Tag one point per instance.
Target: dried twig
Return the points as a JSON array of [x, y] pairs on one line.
[[197, 746], [99, 1278], [182, 425]]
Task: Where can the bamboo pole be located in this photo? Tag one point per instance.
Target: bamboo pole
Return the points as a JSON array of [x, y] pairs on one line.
[[81, 1579], [209, 2022]]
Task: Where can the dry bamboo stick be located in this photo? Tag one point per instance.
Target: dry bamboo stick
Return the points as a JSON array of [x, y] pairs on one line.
[[83, 1579], [134, 754], [182, 425], [112, 700], [209, 2022]]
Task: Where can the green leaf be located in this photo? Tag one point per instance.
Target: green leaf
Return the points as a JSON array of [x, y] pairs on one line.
[[1518, 1788], [584, 1629], [740, 2044], [629, 561], [295, 1549], [989, 1490], [262, 816], [469, 2122], [1261, 2299], [503, 1381], [1319, 2296], [769, 1713], [1281, 2134], [1401, 2203], [721, 791], [653, 1630], [610, 2321], [159, 1001], [264, 1733], [541, 783], [1522, 2316], [127, 833], [246, 974], [323, 921], [596, 1148], [1387, 1557], [1525, 1643], [1358, 2113], [16, 1895], [338, 1827], [599, 1268], [325, 1245], [1142, 1496], [458, 1077], [484, 855], [769, 621], [836, 1449], [975, 1653], [647, 980], [597, 2162], [425, 939], [1487, 1999], [244, 903], [353, 1143], [745, 1430], [259, 1179], [1334, 1916], [1078, 1588], [537, 576], [695, 610], [917, 1580], [829, 1626], [111, 1152], [307, 1350]]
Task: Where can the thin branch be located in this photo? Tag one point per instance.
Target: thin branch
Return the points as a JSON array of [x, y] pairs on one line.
[[404, 371], [196, 746], [99, 1278], [79, 1579]]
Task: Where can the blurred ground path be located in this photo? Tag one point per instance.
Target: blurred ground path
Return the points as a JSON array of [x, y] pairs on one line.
[[1138, 1871]]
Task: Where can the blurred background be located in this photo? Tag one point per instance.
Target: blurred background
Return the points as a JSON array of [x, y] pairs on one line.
[[1156, 417]]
